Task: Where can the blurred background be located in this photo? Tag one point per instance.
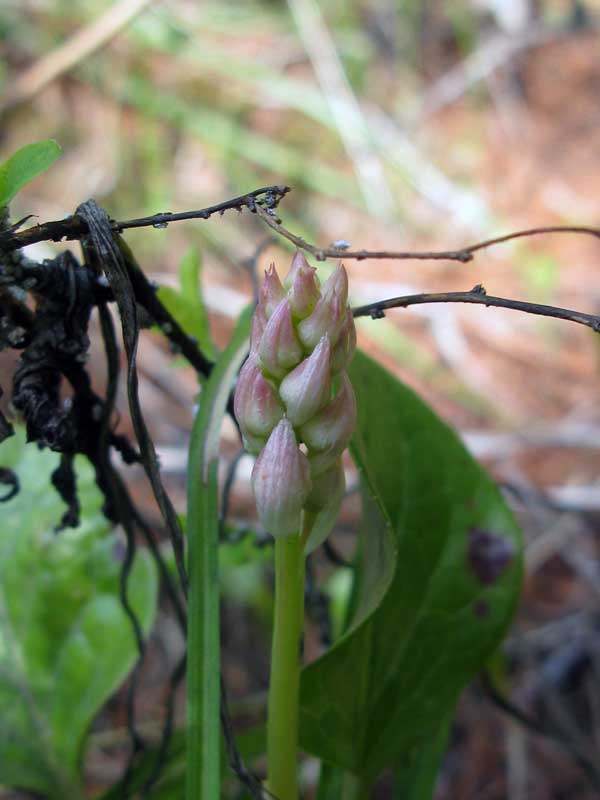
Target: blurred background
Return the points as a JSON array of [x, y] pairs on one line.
[[399, 124]]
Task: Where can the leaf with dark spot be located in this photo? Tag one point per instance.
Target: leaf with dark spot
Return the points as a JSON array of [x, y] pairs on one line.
[[385, 692], [488, 555]]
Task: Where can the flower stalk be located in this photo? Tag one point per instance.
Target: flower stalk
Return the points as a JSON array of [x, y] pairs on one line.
[[296, 410], [284, 683]]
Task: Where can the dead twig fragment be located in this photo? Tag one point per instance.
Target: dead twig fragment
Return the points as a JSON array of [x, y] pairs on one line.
[[478, 296], [463, 254], [74, 227]]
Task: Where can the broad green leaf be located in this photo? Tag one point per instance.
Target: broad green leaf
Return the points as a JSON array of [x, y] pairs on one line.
[[392, 681], [376, 554], [65, 642], [203, 665], [187, 304], [24, 165]]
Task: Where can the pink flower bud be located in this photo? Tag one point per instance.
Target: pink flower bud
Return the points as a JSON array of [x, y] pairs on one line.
[[304, 291], [329, 314], [281, 482], [271, 292], [308, 387], [279, 349], [337, 283], [298, 262], [328, 432], [259, 322], [324, 501], [325, 320], [345, 346], [256, 404]]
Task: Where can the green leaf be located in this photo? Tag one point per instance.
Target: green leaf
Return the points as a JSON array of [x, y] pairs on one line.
[[416, 772], [203, 666], [24, 165], [389, 685], [65, 642], [187, 305]]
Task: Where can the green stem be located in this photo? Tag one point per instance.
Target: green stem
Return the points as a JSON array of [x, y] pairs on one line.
[[203, 730], [282, 729]]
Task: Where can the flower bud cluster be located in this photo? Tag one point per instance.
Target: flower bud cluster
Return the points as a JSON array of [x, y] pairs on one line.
[[294, 401]]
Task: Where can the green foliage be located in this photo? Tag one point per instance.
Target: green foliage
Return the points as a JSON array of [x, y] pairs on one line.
[[65, 642], [25, 165], [187, 305], [449, 573], [202, 529]]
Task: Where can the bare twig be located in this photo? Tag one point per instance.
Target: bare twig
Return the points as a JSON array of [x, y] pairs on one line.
[[464, 254], [478, 296], [263, 202], [78, 47], [74, 227]]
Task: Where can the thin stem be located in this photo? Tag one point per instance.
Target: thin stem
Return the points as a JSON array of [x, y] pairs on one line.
[[202, 774], [74, 227], [479, 296], [463, 254], [282, 730]]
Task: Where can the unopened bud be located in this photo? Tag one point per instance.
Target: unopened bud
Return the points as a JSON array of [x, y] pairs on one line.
[[307, 388], [298, 262], [345, 346], [279, 349], [327, 433], [337, 283], [271, 292], [303, 338], [324, 501], [281, 482], [256, 404], [259, 321], [304, 292], [329, 314]]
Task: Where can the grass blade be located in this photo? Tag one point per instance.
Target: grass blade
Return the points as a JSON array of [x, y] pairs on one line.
[[203, 666]]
